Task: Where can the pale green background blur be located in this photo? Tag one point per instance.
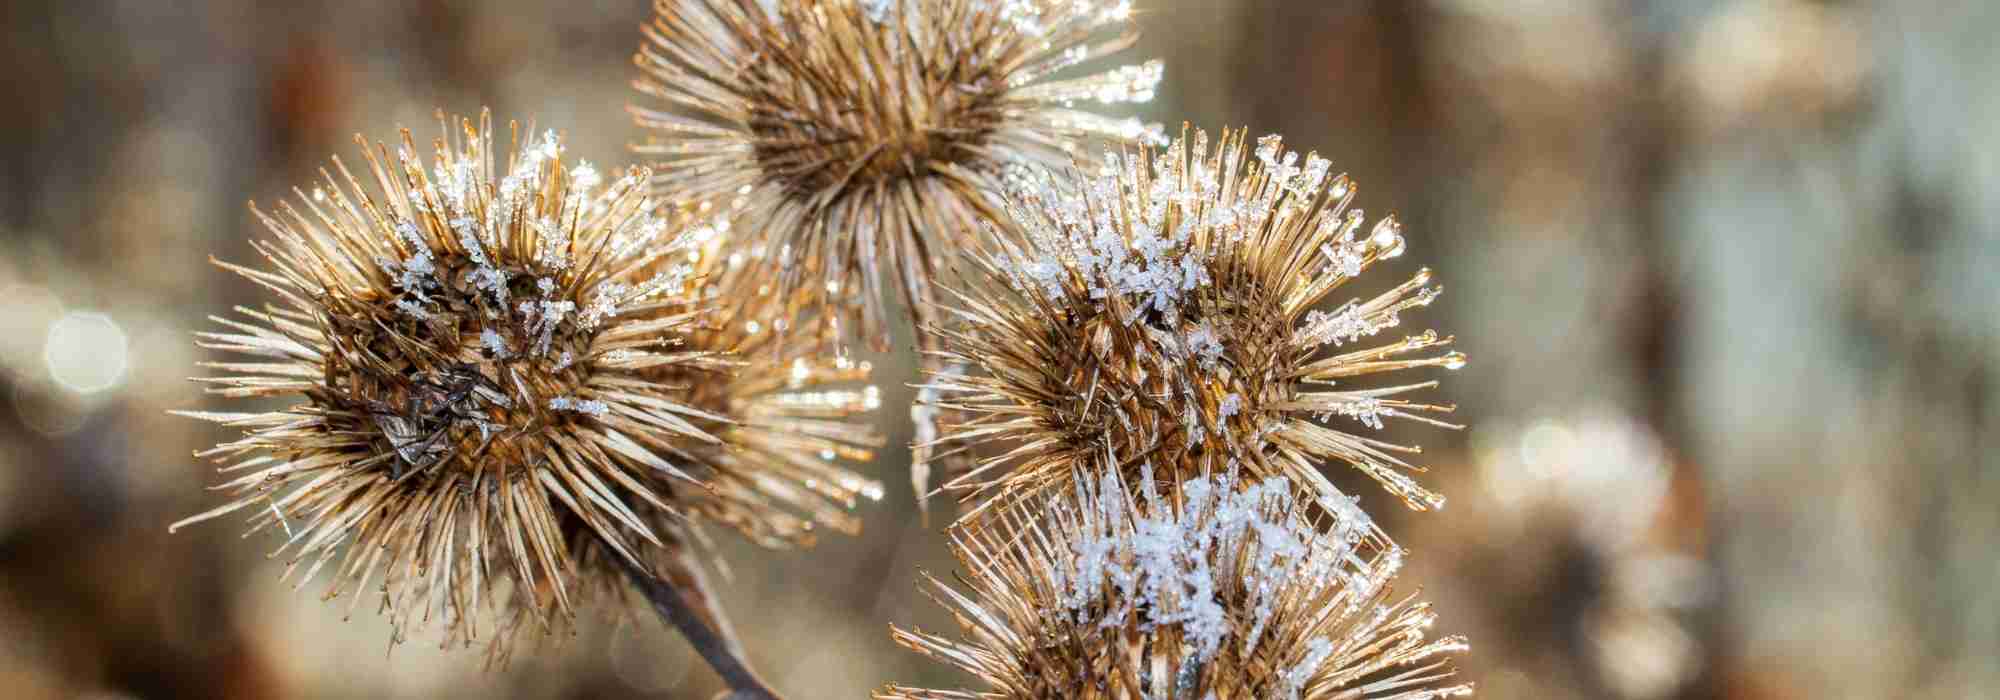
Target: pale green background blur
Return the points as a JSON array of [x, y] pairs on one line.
[[1725, 268]]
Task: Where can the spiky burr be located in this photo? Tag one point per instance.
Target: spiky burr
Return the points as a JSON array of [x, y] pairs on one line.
[[1162, 309], [512, 392], [793, 419], [1207, 589], [863, 139]]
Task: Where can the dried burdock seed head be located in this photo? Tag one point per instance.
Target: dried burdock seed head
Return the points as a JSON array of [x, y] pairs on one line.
[[1209, 590], [473, 346], [863, 137], [1162, 309], [793, 420]]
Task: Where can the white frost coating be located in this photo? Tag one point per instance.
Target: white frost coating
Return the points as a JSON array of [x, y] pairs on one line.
[[454, 186], [1202, 343], [1075, 231], [1345, 259], [414, 309], [1231, 405], [1367, 410], [585, 406], [877, 10], [416, 274], [1171, 566], [1150, 236], [1345, 325], [541, 319], [1318, 650], [494, 344]]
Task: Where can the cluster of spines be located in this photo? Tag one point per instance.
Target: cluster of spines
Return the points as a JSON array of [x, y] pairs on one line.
[[518, 317], [513, 388], [862, 139], [1163, 307], [1207, 588], [1149, 324]]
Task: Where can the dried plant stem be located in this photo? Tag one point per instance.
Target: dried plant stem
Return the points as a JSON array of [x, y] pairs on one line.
[[682, 599]]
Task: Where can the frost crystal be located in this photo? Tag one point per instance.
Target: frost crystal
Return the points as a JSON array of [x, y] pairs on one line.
[[1346, 258], [1317, 651], [1367, 410], [584, 176], [1344, 326], [878, 10], [1203, 344], [585, 406], [418, 272], [604, 304], [1169, 566], [494, 344], [542, 318], [414, 309], [1152, 268]]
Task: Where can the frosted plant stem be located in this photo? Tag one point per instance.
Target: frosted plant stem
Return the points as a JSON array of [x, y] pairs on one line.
[[681, 598]]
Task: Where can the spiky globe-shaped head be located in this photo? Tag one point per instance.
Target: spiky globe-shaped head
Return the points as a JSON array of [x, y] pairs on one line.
[[1162, 309], [793, 419], [1206, 590], [862, 136], [473, 348]]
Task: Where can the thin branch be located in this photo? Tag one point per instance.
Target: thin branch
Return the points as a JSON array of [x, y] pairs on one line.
[[681, 599]]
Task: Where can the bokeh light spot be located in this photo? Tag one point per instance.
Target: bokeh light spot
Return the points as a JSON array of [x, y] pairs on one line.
[[86, 352]]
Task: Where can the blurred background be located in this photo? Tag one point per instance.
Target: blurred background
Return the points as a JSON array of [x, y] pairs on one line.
[[1725, 269]]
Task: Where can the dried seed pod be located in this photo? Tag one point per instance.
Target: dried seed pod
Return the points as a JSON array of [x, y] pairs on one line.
[[864, 138], [1162, 309], [1211, 590], [794, 419], [478, 349]]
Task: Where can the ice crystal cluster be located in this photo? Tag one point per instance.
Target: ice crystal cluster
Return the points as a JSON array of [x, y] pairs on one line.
[[863, 137], [1214, 589], [1165, 307], [475, 346]]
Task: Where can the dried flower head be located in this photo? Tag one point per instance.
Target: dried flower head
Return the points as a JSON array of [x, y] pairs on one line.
[[793, 422], [865, 135], [1214, 590], [1162, 310], [474, 347]]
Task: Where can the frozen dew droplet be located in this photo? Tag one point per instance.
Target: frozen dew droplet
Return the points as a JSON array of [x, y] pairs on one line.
[[1454, 360], [1387, 237]]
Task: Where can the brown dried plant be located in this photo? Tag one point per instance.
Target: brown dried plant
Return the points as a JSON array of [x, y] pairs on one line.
[[1162, 310], [863, 138], [1212, 590], [512, 390], [793, 420]]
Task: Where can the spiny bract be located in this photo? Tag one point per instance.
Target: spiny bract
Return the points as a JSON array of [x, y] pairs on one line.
[[487, 354], [793, 419], [1161, 310], [862, 136], [1213, 590]]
